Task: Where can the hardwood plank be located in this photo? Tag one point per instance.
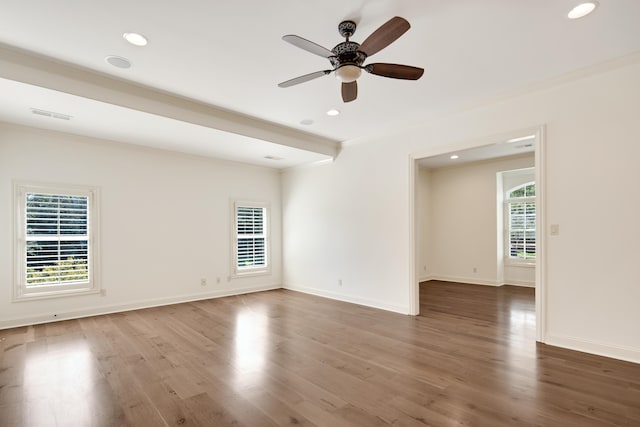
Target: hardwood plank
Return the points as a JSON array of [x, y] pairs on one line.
[[206, 411]]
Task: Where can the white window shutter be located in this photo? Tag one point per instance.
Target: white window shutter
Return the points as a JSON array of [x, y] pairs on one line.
[[56, 239], [521, 210], [251, 238]]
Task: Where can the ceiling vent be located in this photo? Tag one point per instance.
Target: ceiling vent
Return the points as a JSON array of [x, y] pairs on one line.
[[51, 114], [118, 61]]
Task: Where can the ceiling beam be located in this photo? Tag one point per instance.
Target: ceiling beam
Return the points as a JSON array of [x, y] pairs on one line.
[[26, 67]]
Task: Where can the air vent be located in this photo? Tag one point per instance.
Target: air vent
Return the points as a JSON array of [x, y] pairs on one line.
[[51, 114], [273, 158], [118, 61]]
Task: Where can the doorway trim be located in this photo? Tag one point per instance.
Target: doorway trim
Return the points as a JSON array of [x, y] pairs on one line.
[[541, 222]]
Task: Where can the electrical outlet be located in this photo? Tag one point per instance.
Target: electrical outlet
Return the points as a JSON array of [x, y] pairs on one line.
[[203, 282], [103, 292], [339, 282], [217, 280], [475, 269]]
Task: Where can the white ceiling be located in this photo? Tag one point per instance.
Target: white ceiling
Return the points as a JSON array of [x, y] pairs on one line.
[[507, 148], [229, 54]]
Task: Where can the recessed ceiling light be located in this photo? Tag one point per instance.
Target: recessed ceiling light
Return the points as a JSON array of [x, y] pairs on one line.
[[583, 9], [521, 138], [454, 156], [135, 39], [333, 112], [269, 157], [306, 122], [118, 61]]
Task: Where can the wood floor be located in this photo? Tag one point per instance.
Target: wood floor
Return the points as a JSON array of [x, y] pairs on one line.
[[286, 358]]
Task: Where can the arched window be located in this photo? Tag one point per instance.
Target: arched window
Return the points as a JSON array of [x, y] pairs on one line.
[[520, 206]]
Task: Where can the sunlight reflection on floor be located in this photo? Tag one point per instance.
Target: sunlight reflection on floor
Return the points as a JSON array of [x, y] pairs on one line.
[[251, 332], [59, 373]]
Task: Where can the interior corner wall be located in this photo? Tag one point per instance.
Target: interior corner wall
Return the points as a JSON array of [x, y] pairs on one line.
[[166, 221], [345, 227], [349, 220], [462, 233]]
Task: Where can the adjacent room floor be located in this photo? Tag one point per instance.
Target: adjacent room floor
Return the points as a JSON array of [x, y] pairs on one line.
[[282, 358]]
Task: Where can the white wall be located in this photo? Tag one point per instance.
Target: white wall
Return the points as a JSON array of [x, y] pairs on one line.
[[165, 220], [343, 221], [463, 232], [350, 219]]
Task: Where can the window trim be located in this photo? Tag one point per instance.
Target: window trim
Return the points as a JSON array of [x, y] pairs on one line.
[[20, 290], [514, 260], [257, 271]]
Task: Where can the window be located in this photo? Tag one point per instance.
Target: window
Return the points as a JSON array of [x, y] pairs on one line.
[[520, 204], [251, 246], [55, 241]]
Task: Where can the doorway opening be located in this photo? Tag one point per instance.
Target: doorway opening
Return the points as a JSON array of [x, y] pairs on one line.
[[472, 226]]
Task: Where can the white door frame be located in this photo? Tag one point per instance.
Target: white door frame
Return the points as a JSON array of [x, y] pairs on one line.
[[541, 265]]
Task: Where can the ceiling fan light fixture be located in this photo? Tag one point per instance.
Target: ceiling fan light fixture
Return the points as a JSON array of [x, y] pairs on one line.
[[348, 73]]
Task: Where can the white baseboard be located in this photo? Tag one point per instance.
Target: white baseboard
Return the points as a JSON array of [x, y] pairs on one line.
[[136, 305], [461, 279], [523, 283], [347, 298], [616, 352], [476, 281]]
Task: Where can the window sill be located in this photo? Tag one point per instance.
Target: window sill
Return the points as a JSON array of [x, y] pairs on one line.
[[34, 296], [251, 273], [521, 264]]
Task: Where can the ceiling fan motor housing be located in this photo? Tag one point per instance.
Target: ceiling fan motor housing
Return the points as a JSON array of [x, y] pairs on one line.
[[347, 53]]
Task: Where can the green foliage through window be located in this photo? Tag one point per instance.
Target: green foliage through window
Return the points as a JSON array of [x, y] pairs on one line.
[[68, 270], [527, 190]]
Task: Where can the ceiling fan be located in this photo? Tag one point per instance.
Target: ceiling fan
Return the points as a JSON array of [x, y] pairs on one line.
[[347, 58]]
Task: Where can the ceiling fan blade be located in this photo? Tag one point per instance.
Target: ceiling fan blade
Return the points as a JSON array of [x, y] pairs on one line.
[[388, 32], [307, 45], [395, 71], [349, 91], [304, 78]]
